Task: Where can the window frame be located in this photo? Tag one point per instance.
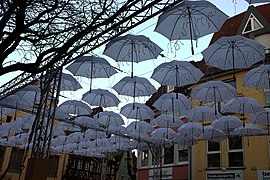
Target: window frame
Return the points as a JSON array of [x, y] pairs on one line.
[[180, 148], [52, 171], [13, 167], [211, 153], [235, 150], [252, 20], [145, 164]]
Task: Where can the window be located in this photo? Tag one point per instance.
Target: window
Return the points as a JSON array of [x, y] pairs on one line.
[[169, 155], [53, 165], [267, 96], [144, 158], [232, 82], [213, 154], [252, 24], [182, 155], [156, 155], [16, 158], [235, 152], [170, 88], [9, 118], [79, 164]]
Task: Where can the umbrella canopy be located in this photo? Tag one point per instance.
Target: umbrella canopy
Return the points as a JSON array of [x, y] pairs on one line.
[[87, 122], [173, 102], [190, 20], [164, 133], [202, 114], [248, 130], [91, 67], [167, 120], [69, 83], [101, 98], [243, 105], [227, 123], [30, 93], [262, 117], [140, 126], [176, 73], [74, 107], [185, 140], [258, 77], [214, 91], [213, 134], [137, 111], [134, 87], [117, 130], [109, 118], [132, 48], [233, 52], [91, 134], [191, 128]]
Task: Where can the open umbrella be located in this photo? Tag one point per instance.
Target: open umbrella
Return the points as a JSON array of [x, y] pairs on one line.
[[176, 73], [87, 122], [132, 48], [137, 111], [202, 114], [190, 20], [257, 1], [213, 134], [191, 128], [74, 107], [109, 118], [258, 77], [69, 83], [91, 67], [173, 102], [262, 118], [227, 123], [164, 133], [101, 98], [140, 126], [167, 120], [248, 130], [233, 52], [214, 91]]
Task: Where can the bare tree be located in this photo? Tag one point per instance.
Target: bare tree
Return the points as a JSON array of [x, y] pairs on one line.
[[46, 31]]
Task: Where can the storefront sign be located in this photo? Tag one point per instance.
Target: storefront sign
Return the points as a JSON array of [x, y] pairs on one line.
[[166, 173], [228, 175], [263, 174]]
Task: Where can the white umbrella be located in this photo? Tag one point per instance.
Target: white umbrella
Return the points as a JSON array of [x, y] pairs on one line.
[[139, 145], [202, 114], [190, 20], [191, 128], [87, 122], [227, 123], [262, 118], [91, 67], [258, 77], [165, 133], [101, 98], [109, 118], [68, 127], [213, 134], [185, 140], [173, 102], [167, 120], [90, 135], [243, 105], [74, 137], [117, 130], [137, 111], [69, 83], [74, 107], [141, 126], [176, 73], [233, 52], [132, 48], [248, 130]]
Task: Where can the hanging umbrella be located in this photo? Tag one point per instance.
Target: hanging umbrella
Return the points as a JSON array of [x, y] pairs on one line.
[[139, 136], [262, 118], [68, 127], [101, 98], [134, 87], [74, 137], [185, 140], [190, 20], [87, 122], [165, 133], [141, 126], [243, 105], [176, 73], [30, 93], [139, 145], [74, 107], [213, 134], [69, 83], [173, 102], [248, 130], [117, 130], [191, 128], [91, 67], [258, 77], [167, 120], [91, 135], [202, 114], [132, 48], [227, 123], [233, 52], [214, 91], [137, 111], [109, 118]]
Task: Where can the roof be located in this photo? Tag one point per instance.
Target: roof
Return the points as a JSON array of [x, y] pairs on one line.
[[231, 25]]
